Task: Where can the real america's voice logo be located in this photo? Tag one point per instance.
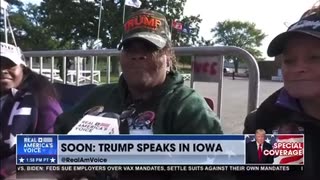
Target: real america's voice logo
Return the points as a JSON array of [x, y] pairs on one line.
[[40, 149]]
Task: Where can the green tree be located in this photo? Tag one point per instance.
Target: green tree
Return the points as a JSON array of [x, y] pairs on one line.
[[205, 42], [15, 2], [76, 21], [240, 34], [71, 22], [29, 31], [27, 27]]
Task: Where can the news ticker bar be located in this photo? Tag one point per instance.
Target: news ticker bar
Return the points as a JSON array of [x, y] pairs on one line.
[[149, 149], [164, 168]]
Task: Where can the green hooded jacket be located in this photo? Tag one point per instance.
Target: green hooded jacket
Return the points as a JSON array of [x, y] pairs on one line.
[[176, 109]]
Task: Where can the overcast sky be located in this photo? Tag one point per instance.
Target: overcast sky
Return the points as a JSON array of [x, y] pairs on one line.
[[271, 16]]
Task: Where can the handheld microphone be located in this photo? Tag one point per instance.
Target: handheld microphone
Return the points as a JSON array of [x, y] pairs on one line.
[[122, 121], [95, 111], [110, 115], [97, 122]]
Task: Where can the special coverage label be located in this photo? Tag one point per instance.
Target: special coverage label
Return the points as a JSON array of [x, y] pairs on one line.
[[37, 149]]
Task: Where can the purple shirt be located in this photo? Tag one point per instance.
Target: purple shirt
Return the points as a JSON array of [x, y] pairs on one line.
[[47, 117], [289, 102]]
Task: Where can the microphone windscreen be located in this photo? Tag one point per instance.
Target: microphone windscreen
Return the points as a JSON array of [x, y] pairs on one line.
[[95, 111], [110, 115], [96, 125]]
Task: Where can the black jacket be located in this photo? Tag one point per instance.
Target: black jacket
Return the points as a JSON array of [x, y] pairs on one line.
[[252, 153], [270, 116]]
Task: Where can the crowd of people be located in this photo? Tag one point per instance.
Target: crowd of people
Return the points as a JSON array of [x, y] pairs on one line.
[[152, 89]]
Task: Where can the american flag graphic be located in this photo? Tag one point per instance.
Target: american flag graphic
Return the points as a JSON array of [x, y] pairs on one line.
[[272, 138], [177, 25]]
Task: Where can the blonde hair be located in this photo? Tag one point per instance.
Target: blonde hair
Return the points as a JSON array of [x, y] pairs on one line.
[[168, 50], [260, 131]]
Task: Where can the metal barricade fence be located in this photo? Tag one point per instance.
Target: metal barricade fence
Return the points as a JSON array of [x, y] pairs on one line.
[[254, 81]]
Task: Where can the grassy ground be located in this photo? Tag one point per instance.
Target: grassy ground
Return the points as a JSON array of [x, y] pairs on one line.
[[184, 70], [113, 77]]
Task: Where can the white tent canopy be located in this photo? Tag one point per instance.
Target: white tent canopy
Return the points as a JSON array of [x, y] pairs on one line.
[[4, 5], [7, 26]]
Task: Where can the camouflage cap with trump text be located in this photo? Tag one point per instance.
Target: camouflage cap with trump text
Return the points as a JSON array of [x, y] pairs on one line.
[[148, 25]]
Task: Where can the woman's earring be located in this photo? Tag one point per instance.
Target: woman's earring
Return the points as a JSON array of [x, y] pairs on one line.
[[168, 69], [168, 66]]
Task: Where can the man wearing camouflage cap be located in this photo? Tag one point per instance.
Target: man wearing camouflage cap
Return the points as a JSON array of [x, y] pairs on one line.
[[150, 91], [150, 96]]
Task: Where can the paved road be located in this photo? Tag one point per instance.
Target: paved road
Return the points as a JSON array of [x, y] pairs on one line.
[[234, 99]]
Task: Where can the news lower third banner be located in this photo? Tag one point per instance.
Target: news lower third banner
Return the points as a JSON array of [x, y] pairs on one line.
[[130, 149], [152, 149]]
